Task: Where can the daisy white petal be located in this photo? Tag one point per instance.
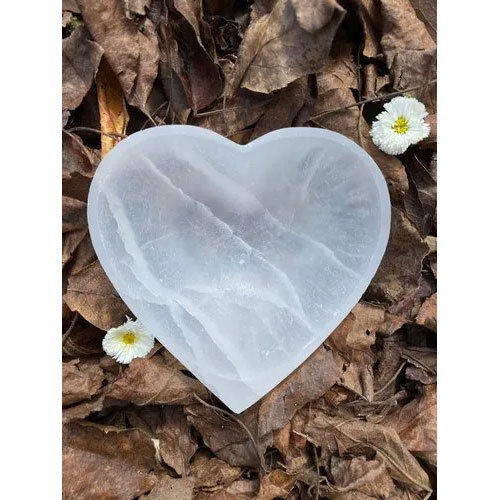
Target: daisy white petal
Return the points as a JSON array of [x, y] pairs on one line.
[[127, 342], [400, 125]]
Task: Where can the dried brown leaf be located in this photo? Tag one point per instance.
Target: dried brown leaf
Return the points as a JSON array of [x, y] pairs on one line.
[[130, 48], [80, 380], [427, 315], [84, 339], [416, 424], [284, 41], [100, 462], [426, 11], [190, 75], [74, 214], [151, 381], [399, 273], [176, 444], [276, 484], [224, 436], [358, 330], [90, 292], [169, 488], [213, 474], [80, 60], [307, 383], [409, 50], [281, 112], [112, 109], [83, 409], [336, 433]]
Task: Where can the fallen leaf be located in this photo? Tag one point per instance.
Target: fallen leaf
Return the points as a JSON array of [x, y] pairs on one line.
[[176, 444], [276, 484], [186, 60], [100, 462], [284, 41], [83, 409], [213, 474], [70, 241], [427, 12], [130, 48], [399, 273], [362, 476], [307, 383], [409, 50], [226, 437], [112, 109], [80, 380], [84, 339], [416, 424], [427, 316], [80, 60], [421, 199], [336, 433], [136, 7], [74, 214], [90, 292], [358, 330], [240, 112], [368, 12], [150, 381], [169, 488], [78, 166], [285, 106]]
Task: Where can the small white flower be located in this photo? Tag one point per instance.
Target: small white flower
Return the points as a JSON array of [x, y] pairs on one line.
[[401, 124], [127, 342]]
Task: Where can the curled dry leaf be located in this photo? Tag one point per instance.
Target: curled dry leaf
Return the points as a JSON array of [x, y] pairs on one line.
[[83, 409], [104, 462], [150, 381], [74, 214], [427, 12], [130, 48], [416, 424], [213, 474], [276, 484], [361, 478], [409, 50], [224, 436], [80, 60], [80, 380], [112, 109], [284, 41], [176, 444], [90, 292], [427, 316], [307, 383], [358, 330], [399, 273], [190, 75], [339, 435]]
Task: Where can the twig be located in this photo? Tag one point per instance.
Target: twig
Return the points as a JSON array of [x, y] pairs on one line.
[[113, 135], [316, 496], [239, 422], [392, 379], [373, 99], [70, 328]]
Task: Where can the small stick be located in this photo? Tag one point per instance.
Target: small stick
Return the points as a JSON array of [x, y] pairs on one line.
[[373, 99], [70, 328], [113, 135], [238, 421]]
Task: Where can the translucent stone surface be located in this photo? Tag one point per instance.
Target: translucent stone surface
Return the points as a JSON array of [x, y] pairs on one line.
[[241, 260]]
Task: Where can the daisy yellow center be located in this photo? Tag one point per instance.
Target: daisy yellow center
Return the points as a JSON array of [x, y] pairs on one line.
[[400, 125], [129, 338]]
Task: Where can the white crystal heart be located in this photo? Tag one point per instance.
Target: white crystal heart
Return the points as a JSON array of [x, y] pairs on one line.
[[240, 260]]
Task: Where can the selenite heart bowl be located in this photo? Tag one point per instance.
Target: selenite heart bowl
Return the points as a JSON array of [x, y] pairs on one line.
[[240, 260]]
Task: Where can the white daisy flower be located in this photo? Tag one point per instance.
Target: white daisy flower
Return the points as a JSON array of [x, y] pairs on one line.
[[127, 342], [401, 124]]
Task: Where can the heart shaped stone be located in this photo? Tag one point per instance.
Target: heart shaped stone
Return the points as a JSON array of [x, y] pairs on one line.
[[241, 260]]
